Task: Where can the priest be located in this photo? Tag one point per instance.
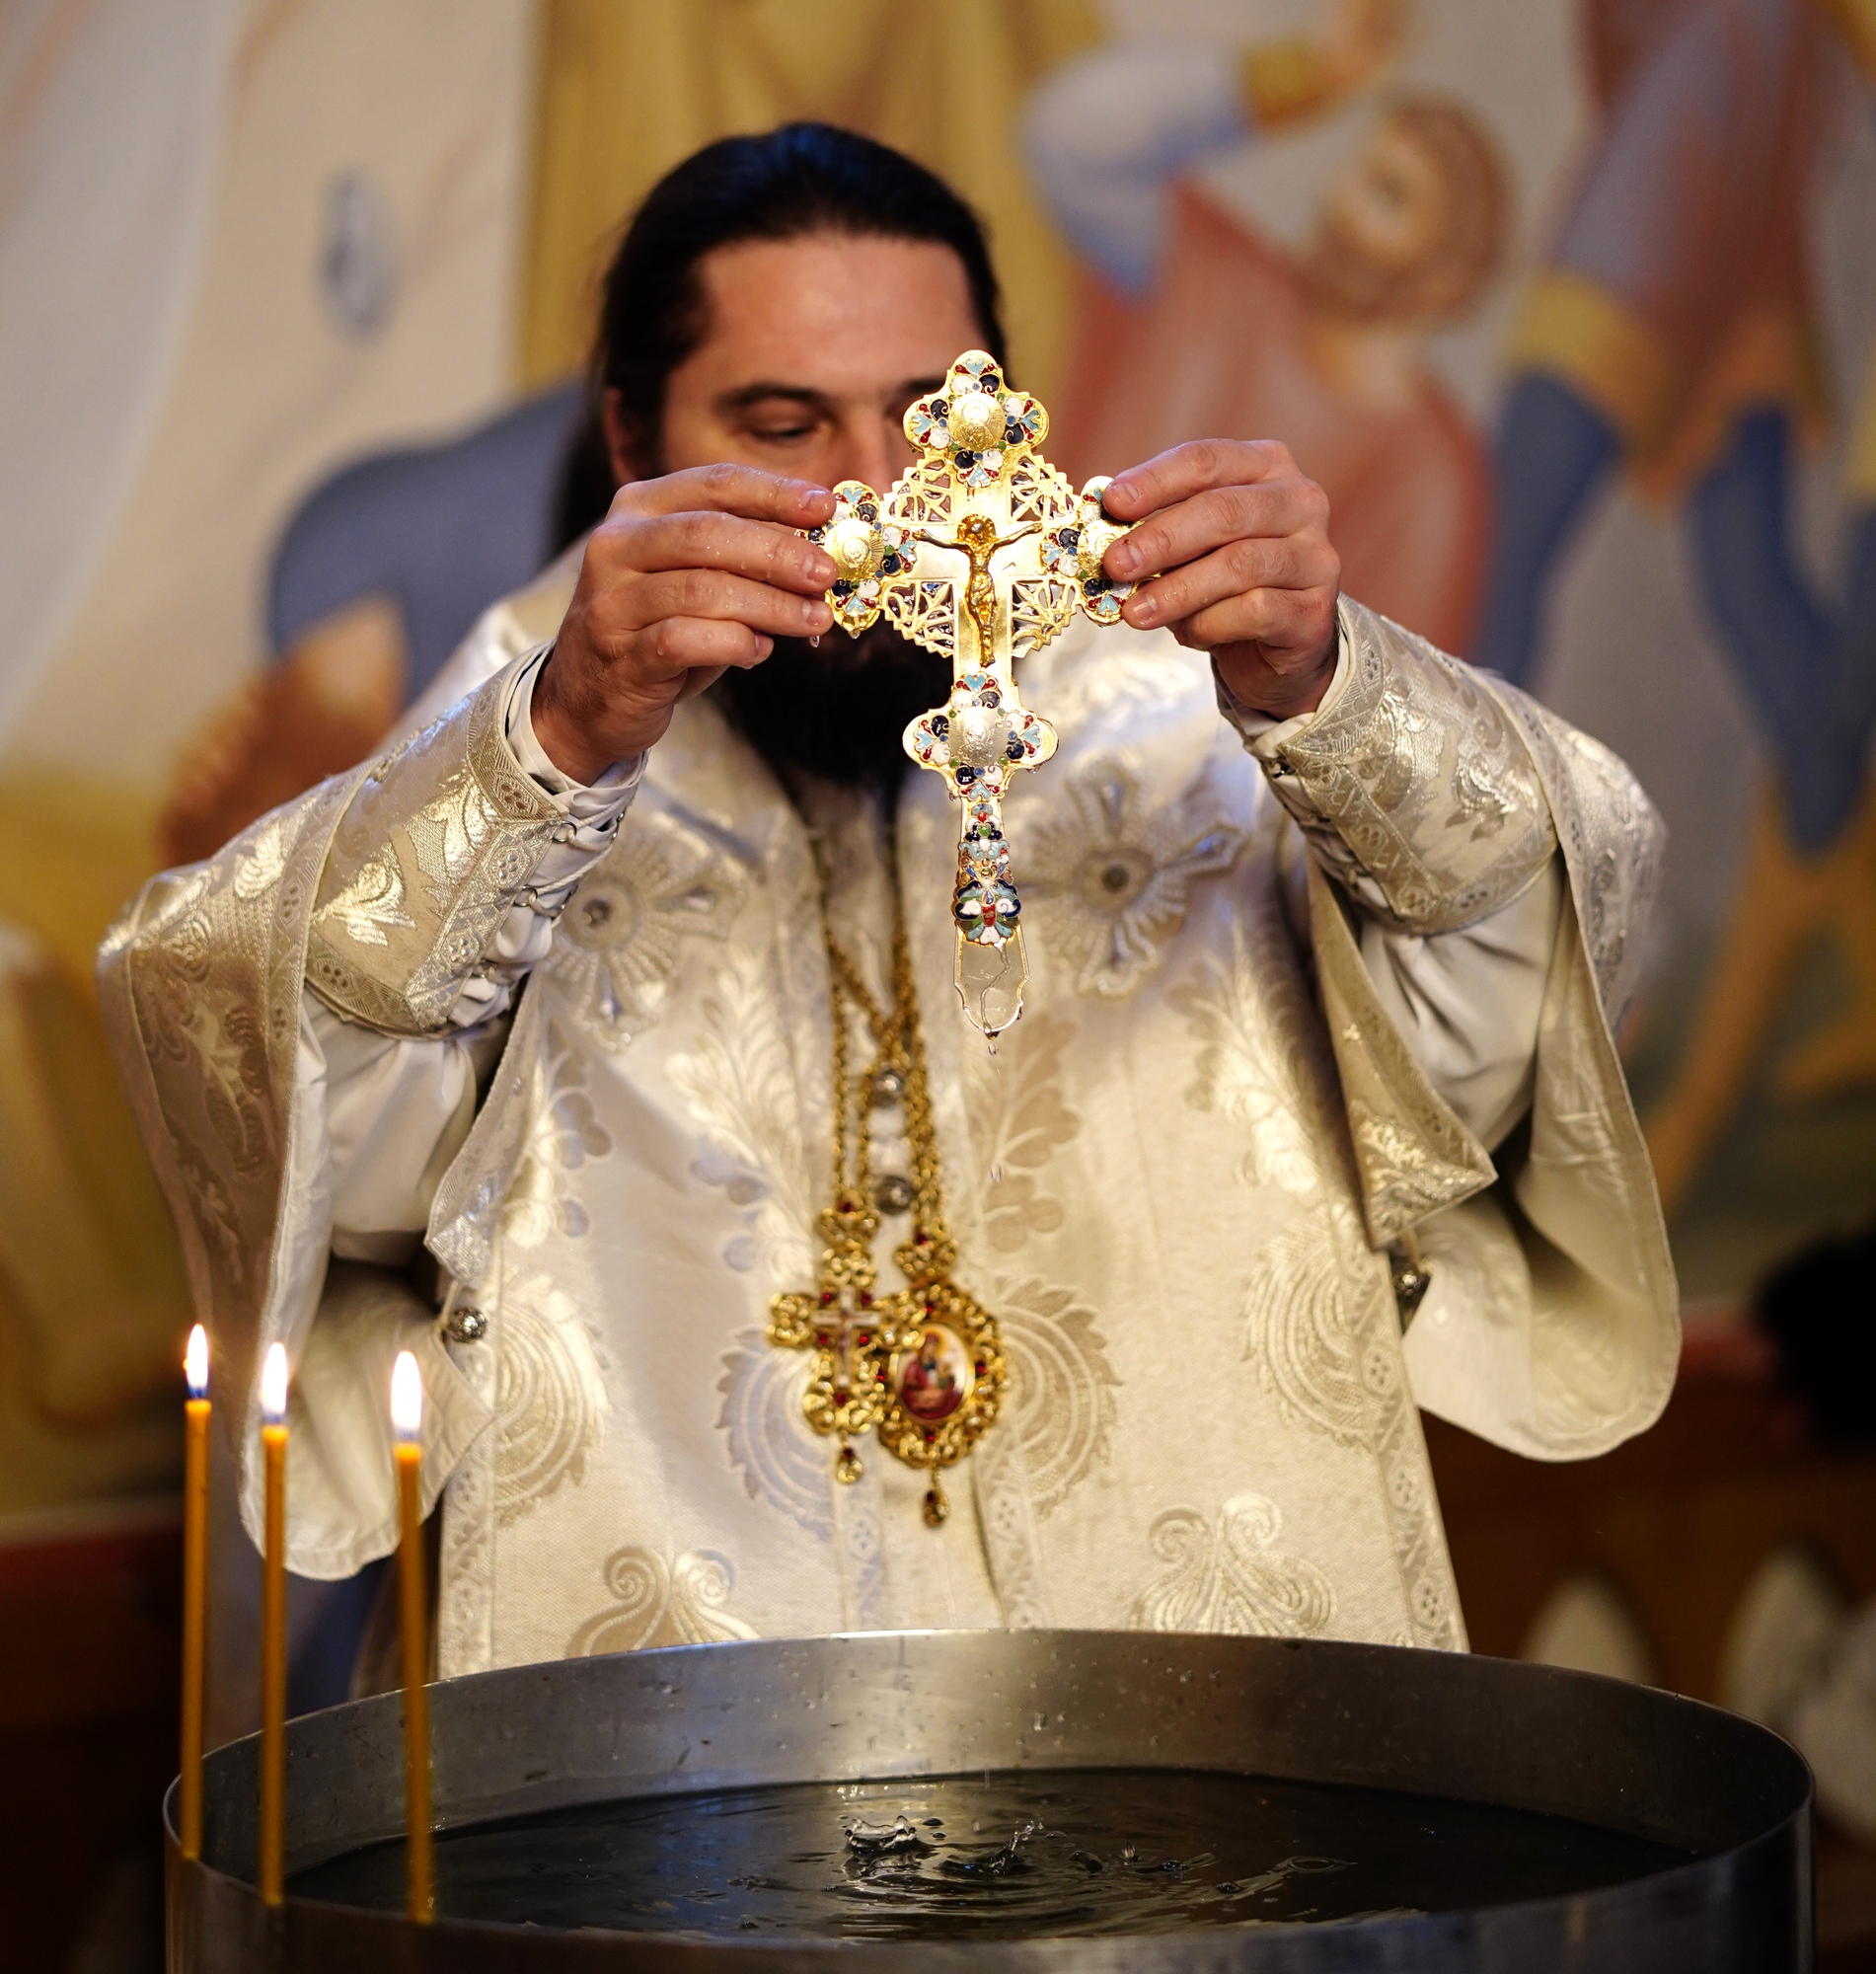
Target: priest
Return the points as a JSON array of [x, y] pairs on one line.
[[598, 1042]]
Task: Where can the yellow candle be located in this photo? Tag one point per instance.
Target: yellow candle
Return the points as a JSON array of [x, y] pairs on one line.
[[273, 1871], [195, 1590], [407, 1419]]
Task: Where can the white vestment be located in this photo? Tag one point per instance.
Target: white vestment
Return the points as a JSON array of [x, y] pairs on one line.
[[578, 1041]]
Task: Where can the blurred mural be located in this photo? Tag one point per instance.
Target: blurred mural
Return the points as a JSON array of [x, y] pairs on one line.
[[1568, 303]]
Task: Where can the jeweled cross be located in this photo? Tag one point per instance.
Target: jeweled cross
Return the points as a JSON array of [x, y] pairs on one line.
[[982, 553]]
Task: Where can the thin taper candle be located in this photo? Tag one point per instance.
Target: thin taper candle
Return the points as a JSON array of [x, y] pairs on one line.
[[195, 1590], [407, 1419], [272, 1870]]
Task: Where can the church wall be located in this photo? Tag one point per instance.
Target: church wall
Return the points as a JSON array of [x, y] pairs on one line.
[[413, 119], [290, 234]]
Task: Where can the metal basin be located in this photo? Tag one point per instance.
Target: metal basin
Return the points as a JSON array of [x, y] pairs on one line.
[[1733, 1800]]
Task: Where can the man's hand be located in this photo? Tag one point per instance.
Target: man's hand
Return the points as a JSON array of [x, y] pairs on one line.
[[1247, 573], [687, 576]]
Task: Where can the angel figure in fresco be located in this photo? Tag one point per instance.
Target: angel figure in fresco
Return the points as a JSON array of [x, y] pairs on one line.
[[1672, 334], [1194, 321]]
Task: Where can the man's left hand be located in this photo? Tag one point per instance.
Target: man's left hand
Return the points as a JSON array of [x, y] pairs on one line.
[[1240, 538]]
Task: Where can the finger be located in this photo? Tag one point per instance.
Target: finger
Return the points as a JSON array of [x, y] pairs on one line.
[[759, 550], [729, 489], [692, 644], [715, 592], [699, 678], [1295, 621], [1283, 563], [1190, 469], [1205, 522], [702, 678]]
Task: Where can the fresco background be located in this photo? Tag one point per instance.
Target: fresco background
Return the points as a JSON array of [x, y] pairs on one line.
[[294, 296]]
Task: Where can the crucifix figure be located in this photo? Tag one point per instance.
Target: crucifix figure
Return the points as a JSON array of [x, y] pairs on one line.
[[977, 536], [982, 553]]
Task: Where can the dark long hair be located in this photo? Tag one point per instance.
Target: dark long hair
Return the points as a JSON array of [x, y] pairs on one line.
[[802, 178]]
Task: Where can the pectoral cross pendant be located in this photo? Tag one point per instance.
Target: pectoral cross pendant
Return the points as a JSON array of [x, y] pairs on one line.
[[982, 553]]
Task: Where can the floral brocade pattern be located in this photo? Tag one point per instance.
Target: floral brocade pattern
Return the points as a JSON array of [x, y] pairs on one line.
[[1422, 797], [1319, 1316], [1223, 1573], [737, 1077], [768, 1441], [199, 986], [621, 939], [1062, 1387], [1296, 1330], [663, 1601], [1255, 1052], [782, 1463], [1024, 1120], [1112, 871], [565, 1136], [550, 1397], [434, 850], [1613, 839]]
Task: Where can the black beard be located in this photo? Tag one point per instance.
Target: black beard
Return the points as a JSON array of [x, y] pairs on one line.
[[838, 710]]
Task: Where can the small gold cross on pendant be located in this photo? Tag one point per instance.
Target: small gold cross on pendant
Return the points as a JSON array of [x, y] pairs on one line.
[[982, 553]]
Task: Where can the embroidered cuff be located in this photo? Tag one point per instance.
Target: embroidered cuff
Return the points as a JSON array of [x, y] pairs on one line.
[[1415, 790], [524, 936], [440, 842]]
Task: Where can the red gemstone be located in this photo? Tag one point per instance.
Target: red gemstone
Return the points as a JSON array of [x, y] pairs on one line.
[[841, 1398], [865, 1299], [861, 1339], [983, 1371]]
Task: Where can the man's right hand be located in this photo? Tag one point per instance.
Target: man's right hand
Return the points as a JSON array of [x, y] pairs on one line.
[[686, 577]]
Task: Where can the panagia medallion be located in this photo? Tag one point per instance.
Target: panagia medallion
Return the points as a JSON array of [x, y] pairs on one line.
[[922, 1366], [982, 553]]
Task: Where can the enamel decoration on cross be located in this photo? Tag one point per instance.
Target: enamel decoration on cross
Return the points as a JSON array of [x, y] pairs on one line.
[[982, 553]]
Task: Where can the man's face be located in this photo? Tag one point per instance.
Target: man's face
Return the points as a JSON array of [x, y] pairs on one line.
[[812, 349]]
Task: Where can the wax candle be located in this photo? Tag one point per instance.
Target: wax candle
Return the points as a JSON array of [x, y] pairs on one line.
[[271, 1876], [194, 1588], [406, 1420]]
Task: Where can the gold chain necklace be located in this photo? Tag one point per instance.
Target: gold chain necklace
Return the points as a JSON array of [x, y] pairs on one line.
[[923, 1366]]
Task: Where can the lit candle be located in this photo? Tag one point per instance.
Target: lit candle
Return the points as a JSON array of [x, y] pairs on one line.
[[195, 1587], [406, 1420], [273, 1871]]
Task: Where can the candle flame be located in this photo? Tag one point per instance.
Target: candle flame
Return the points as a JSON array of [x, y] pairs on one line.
[[273, 1385], [407, 1397], [195, 1362]]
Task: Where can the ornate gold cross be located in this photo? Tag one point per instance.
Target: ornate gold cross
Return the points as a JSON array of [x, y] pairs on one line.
[[982, 553]]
